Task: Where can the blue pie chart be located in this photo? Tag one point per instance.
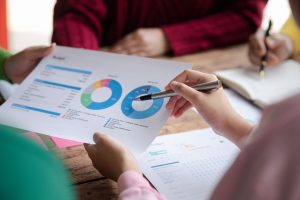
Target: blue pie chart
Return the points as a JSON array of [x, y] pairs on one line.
[[116, 92], [127, 104]]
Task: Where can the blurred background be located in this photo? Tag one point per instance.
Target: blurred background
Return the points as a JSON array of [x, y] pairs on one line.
[[29, 22]]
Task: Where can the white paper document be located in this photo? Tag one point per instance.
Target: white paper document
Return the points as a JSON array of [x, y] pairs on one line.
[[74, 93], [188, 166]]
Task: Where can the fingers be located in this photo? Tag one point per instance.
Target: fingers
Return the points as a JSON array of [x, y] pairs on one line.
[[192, 76], [171, 104], [190, 94], [130, 44], [125, 46], [257, 48], [178, 105], [104, 141], [91, 150], [130, 50], [97, 137], [272, 59], [256, 43], [35, 53], [274, 41], [181, 110], [187, 96], [254, 59]]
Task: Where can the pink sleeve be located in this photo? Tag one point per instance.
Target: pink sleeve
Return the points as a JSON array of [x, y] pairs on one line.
[[133, 186]]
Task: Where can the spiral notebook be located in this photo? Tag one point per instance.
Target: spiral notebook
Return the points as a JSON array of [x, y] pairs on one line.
[[280, 82]]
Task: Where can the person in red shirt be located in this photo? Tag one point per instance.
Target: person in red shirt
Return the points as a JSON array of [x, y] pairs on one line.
[[155, 27]]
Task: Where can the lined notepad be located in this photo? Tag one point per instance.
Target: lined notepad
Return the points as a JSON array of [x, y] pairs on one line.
[[280, 82]]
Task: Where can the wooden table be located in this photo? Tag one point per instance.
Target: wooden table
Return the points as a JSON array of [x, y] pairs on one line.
[[90, 184]]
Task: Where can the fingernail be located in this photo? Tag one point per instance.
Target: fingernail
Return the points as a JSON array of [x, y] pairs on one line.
[[174, 83], [168, 107], [53, 44], [96, 137]]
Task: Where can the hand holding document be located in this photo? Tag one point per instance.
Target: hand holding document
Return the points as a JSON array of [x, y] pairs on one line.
[[74, 93]]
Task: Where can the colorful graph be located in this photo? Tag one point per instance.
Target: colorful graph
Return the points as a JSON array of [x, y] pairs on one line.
[[127, 104], [116, 92]]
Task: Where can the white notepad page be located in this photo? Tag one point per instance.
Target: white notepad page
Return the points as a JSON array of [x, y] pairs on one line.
[[279, 83]]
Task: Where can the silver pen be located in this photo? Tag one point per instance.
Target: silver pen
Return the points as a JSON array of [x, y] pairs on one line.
[[202, 87]]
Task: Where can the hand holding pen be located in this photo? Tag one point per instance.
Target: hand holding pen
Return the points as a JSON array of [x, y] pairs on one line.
[[200, 87], [213, 106], [280, 47], [264, 58]]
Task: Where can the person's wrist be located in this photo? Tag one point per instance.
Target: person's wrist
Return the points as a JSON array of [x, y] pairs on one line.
[[130, 167], [236, 129], [126, 163], [164, 40]]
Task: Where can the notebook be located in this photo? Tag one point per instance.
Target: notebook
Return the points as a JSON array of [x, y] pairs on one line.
[[280, 82]]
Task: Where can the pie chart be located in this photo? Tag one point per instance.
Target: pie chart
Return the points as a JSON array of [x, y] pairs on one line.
[[110, 86], [144, 109]]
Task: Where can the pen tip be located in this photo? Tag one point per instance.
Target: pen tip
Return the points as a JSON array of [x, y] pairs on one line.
[[261, 75]]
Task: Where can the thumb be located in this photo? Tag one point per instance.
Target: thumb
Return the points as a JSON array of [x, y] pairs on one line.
[[40, 52], [103, 140], [98, 137], [190, 94], [273, 42]]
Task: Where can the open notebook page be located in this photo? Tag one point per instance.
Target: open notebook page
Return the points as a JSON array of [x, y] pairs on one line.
[[279, 83]]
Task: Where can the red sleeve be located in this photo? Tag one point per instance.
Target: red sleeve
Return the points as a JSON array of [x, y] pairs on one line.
[[231, 26], [78, 23]]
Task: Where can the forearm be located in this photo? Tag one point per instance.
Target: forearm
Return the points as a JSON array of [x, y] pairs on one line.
[[68, 32], [231, 26], [236, 129], [133, 186], [78, 24]]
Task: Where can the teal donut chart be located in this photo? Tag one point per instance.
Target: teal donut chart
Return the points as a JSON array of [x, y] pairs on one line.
[[116, 92], [130, 112]]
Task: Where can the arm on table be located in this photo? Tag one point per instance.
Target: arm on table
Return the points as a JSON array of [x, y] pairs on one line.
[[232, 25], [78, 23]]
